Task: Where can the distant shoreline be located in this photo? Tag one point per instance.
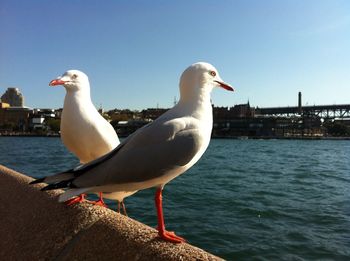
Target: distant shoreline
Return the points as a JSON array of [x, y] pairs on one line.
[[279, 138], [54, 135], [29, 135]]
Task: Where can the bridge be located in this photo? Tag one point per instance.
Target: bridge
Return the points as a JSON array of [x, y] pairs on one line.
[[339, 111]]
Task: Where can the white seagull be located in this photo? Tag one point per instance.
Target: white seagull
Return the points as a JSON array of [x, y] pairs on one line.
[[83, 130], [158, 152]]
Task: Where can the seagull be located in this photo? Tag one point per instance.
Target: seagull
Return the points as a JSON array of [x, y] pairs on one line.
[[156, 153], [83, 130]]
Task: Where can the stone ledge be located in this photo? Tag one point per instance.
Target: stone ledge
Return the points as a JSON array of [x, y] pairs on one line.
[[34, 226]]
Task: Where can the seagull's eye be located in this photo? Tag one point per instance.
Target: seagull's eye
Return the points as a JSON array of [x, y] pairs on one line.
[[213, 73], [74, 76]]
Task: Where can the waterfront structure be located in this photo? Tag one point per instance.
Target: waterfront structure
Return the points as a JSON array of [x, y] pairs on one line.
[[316, 120], [152, 113], [261, 126], [13, 97], [15, 118], [4, 105], [336, 111], [24, 119], [44, 113], [238, 120], [326, 112], [125, 128], [39, 117], [122, 115], [237, 111]]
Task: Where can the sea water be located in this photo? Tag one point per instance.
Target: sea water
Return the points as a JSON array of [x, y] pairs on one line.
[[243, 200]]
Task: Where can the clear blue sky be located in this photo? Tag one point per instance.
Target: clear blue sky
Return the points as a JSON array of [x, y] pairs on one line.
[[135, 51]]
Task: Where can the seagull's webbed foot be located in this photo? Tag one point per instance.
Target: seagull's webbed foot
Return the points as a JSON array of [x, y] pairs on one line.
[[99, 202], [170, 237], [76, 200]]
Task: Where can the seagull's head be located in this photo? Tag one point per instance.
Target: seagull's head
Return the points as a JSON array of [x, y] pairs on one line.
[[72, 80], [200, 78]]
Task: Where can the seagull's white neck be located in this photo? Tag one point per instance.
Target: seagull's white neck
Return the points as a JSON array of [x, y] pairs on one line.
[[82, 94], [79, 100], [196, 101]]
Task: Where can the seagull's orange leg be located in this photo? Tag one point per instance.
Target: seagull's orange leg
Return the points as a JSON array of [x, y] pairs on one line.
[[121, 204], [118, 207], [124, 209], [166, 235]]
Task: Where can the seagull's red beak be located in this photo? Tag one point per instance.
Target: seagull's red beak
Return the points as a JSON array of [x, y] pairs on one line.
[[56, 82], [225, 85]]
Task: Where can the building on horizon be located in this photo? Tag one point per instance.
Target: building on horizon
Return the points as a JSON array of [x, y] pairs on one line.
[[15, 118], [14, 97], [4, 105]]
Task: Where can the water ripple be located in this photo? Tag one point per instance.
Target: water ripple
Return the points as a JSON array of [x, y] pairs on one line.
[[244, 199]]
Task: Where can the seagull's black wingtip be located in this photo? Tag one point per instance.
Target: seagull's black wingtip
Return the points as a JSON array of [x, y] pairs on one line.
[[49, 187], [37, 181], [59, 185]]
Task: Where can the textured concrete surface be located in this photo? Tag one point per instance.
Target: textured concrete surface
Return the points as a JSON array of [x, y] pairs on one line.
[[34, 226]]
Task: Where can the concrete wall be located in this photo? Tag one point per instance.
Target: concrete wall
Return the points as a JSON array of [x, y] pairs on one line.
[[34, 226]]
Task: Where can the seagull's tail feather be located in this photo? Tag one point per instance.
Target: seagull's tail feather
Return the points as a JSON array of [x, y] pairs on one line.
[[58, 185], [59, 177], [66, 175], [37, 181], [72, 193]]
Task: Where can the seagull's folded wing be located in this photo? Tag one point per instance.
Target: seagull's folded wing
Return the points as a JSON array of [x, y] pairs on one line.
[[150, 153]]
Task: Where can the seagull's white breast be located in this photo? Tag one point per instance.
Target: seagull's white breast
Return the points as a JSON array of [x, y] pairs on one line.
[[84, 131]]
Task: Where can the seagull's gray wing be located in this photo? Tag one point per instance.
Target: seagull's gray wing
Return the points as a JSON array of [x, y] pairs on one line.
[[150, 153]]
